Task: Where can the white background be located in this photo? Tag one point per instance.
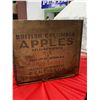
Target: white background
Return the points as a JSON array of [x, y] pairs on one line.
[[93, 46], [34, 6]]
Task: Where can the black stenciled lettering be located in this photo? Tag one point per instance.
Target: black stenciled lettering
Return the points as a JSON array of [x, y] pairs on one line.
[[61, 42], [69, 41], [24, 44], [52, 43], [34, 43], [17, 36], [44, 42], [22, 36]]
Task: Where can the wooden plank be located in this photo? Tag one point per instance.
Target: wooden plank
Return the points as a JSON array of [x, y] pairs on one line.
[[22, 10], [46, 50]]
